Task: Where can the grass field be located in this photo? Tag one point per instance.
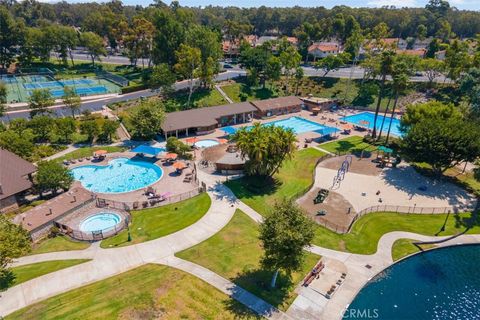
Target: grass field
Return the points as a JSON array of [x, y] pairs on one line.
[[148, 292], [352, 144], [58, 243], [235, 253], [34, 270], [404, 247], [235, 90], [295, 178], [88, 152], [149, 224]]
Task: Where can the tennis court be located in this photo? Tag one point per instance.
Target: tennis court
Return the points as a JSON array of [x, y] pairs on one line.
[[20, 87]]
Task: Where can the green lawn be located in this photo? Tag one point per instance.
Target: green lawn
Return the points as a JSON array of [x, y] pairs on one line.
[[58, 243], [148, 292], [233, 91], [34, 270], [352, 144], [235, 253], [88, 152], [367, 230], [404, 247], [200, 99], [295, 178], [149, 224]]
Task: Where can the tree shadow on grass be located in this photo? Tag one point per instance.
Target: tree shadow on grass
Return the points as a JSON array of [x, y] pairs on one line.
[[240, 311], [257, 282], [248, 187]]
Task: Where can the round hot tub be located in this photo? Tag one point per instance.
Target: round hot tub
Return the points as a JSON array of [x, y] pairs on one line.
[[100, 221]]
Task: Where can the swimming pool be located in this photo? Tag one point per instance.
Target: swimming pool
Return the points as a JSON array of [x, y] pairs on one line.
[[437, 284], [206, 143], [301, 125], [100, 221], [120, 175], [369, 117]]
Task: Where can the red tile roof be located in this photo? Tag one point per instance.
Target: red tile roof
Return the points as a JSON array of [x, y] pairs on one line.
[[323, 47]]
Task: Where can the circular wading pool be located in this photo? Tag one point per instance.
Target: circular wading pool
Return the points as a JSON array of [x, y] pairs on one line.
[[100, 221]]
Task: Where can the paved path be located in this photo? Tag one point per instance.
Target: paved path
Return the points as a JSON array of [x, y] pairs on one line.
[[253, 302], [224, 95], [109, 262]]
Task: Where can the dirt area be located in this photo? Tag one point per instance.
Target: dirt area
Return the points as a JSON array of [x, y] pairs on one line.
[[339, 211], [359, 165]]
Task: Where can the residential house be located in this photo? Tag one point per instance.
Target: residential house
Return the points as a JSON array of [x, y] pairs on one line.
[[323, 49]]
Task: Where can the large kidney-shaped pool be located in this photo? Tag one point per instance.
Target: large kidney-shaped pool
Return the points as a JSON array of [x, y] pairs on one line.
[[437, 284], [120, 175]]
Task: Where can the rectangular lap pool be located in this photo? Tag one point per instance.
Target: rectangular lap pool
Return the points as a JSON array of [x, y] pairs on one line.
[[301, 125], [366, 119]]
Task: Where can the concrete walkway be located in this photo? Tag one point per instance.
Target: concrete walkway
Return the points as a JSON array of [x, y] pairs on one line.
[[243, 296], [224, 95], [109, 262]]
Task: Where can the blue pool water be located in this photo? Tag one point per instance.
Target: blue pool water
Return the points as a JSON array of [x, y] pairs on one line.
[[120, 175], [206, 143], [100, 221], [301, 125], [438, 284], [368, 116]]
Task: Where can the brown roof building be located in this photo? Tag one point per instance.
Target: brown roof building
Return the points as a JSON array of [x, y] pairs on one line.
[[277, 106], [205, 120], [15, 178]]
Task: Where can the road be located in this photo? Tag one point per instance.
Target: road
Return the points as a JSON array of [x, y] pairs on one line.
[[346, 72], [61, 111]]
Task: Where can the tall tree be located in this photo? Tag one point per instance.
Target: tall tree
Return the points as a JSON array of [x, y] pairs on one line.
[[90, 128], [456, 59], [3, 98], [266, 148], [163, 77], [14, 242], [432, 68], [71, 100], [385, 68], [332, 62], [400, 77], [147, 120], [65, 128], [189, 60], [39, 101], [9, 37], [284, 233], [52, 176], [290, 59], [94, 45]]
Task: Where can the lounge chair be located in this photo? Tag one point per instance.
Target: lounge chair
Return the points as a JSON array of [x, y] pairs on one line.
[[135, 205]]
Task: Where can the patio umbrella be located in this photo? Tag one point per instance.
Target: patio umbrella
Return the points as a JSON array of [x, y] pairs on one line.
[[346, 126], [100, 152], [192, 140], [171, 156], [222, 141], [180, 165], [364, 122], [385, 149]]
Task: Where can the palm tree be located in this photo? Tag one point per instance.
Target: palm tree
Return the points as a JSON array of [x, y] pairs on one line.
[[385, 65], [400, 83]]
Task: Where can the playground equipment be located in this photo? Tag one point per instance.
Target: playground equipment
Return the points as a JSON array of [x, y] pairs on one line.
[[321, 196], [341, 172]]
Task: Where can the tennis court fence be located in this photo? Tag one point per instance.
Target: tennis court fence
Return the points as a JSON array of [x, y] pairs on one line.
[[115, 78]]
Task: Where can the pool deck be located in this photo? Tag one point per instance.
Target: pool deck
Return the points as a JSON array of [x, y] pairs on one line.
[[170, 181]]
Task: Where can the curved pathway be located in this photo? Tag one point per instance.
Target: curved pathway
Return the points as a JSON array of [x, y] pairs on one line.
[[109, 262]]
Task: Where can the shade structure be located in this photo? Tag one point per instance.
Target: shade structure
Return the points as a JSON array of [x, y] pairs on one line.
[[100, 152], [346, 126], [229, 130], [148, 149], [326, 131], [180, 165], [385, 149], [222, 141], [171, 156], [192, 140]]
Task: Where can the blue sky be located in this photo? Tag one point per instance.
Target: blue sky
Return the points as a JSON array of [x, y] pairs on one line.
[[461, 4]]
